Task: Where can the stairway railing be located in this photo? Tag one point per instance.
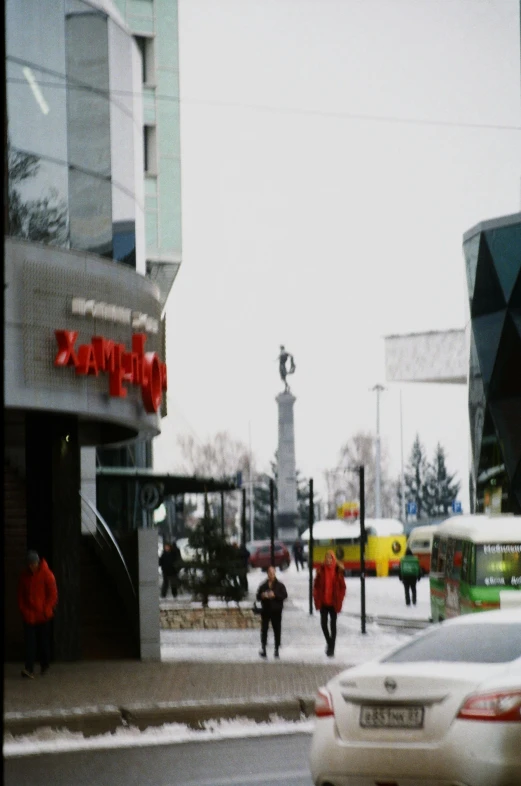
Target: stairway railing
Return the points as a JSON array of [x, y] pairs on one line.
[[110, 554]]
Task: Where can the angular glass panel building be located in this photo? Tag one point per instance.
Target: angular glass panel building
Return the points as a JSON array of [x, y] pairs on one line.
[[492, 252]]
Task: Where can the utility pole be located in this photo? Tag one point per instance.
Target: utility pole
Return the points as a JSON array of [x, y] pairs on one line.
[[377, 491]]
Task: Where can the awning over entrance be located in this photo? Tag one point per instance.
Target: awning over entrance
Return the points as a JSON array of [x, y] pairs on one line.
[[171, 485]]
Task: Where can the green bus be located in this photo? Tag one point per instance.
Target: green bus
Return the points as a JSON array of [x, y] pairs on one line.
[[475, 565]]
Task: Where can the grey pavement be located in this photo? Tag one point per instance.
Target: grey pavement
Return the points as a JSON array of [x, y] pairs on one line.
[[98, 696]]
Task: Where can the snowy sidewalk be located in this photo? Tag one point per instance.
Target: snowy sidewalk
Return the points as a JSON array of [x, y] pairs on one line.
[[207, 673]]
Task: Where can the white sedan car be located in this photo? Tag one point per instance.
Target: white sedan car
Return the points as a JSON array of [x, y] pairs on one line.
[[442, 710]]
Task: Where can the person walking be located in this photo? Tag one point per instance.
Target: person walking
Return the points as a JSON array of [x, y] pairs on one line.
[[244, 556], [329, 589], [409, 574], [272, 593], [298, 554], [37, 599], [169, 562]]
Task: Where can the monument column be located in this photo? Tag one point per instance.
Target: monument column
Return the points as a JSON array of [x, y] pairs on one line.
[[287, 510]]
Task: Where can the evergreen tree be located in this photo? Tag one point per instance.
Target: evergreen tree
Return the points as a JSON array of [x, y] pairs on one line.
[[261, 501], [216, 567], [416, 479], [442, 488]]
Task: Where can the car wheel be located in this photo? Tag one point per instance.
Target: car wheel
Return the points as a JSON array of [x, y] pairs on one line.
[[284, 565]]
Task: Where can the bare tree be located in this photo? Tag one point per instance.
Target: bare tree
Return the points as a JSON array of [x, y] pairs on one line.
[[220, 457], [343, 481]]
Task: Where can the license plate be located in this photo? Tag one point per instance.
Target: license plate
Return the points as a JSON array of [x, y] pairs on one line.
[[401, 717]]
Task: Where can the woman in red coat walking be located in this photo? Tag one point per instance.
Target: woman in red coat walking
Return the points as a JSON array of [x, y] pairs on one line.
[[329, 589], [37, 598]]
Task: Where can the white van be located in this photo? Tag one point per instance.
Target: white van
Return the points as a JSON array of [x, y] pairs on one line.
[[420, 543]]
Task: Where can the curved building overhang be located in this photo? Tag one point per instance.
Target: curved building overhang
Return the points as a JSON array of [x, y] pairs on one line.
[[50, 289]]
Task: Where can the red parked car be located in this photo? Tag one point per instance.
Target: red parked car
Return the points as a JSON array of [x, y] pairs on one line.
[[260, 554]]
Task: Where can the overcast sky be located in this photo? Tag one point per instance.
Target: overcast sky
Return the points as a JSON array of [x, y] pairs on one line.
[[334, 152]]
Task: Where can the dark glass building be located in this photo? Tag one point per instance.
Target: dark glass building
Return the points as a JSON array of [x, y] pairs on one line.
[[492, 252]]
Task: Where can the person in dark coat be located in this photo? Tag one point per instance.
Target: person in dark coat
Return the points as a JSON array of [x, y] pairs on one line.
[[329, 589], [170, 562], [37, 599], [298, 554], [271, 594], [409, 574], [244, 562]]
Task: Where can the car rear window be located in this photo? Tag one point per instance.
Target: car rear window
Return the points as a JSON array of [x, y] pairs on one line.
[[486, 643]]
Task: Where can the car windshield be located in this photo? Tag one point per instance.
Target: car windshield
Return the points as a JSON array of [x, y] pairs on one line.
[[478, 643]]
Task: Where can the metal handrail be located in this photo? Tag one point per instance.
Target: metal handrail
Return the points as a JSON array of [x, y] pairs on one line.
[[103, 530]]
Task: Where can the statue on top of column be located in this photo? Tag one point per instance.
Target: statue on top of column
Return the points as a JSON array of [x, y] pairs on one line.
[[284, 357]]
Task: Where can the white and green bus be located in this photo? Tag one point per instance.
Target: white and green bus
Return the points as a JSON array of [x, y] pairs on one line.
[[475, 565]]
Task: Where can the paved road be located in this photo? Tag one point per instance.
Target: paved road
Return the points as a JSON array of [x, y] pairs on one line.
[[270, 761]]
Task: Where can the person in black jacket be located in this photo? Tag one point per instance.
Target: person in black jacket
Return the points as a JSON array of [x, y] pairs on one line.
[[170, 562], [272, 594]]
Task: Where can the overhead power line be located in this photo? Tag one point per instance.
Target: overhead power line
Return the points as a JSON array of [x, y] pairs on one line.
[[66, 83]]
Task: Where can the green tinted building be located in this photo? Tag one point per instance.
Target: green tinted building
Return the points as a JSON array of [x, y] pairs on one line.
[[154, 24]]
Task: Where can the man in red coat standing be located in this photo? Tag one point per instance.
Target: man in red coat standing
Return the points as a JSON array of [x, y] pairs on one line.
[[329, 589], [37, 599]]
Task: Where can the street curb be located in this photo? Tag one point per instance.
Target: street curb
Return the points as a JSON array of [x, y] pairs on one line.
[[88, 722], [194, 715]]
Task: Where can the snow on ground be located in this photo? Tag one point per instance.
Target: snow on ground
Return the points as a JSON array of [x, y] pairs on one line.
[[48, 741], [302, 638], [302, 642]]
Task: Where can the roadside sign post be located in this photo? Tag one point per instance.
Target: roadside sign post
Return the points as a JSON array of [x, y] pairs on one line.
[[361, 471], [243, 517], [272, 521], [310, 545]]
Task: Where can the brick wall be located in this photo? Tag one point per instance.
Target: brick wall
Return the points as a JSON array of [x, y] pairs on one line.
[[215, 619]]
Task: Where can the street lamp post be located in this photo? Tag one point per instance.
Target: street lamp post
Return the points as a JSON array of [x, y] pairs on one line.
[[404, 509]]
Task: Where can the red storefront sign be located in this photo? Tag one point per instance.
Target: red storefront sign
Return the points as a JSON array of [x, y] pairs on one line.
[[136, 367]]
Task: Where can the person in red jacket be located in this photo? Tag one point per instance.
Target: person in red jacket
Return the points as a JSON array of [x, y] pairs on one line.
[[329, 589], [37, 599]]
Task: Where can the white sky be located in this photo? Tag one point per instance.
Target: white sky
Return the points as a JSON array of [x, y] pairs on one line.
[[307, 226], [302, 642]]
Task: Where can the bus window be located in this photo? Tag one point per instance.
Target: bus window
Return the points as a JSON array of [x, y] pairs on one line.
[[472, 564], [466, 562], [453, 563], [498, 565], [441, 556], [434, 555]]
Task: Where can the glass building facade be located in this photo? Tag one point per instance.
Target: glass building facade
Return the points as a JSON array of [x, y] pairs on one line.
[[492, 253], [75, 153]]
